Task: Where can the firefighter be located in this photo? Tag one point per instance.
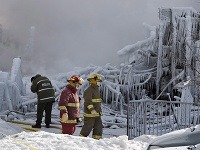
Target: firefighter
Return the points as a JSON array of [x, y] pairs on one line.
[[69, 105], [92, 108], [46, 96]]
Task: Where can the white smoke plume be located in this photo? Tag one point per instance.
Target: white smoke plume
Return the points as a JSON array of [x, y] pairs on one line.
[[76, 33]]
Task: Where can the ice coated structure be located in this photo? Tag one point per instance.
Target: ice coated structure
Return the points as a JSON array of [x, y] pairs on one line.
[[151, 68]]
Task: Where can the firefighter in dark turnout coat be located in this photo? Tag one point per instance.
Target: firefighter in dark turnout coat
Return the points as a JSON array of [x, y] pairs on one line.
[[69, 105], [46, 96], [92, 108]]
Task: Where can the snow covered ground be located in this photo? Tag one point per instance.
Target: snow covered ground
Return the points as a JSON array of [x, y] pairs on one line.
[[16, 138], [46, 139]]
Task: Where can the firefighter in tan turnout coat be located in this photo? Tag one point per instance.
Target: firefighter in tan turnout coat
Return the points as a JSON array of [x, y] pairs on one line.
[[92, 108]]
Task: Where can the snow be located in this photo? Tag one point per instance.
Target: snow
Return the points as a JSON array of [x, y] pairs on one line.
[[44, 140], [13, 137]]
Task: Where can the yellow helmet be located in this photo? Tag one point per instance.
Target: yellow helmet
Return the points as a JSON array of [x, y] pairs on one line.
[[95, 76]]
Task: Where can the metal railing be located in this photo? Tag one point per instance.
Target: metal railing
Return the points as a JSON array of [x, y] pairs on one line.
[[157, 117]]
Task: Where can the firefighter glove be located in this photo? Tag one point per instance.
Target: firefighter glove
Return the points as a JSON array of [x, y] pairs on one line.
[[79, 120], [64, 118]]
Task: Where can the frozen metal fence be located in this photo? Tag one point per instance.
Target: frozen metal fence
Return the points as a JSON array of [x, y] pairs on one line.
[[157, 117]]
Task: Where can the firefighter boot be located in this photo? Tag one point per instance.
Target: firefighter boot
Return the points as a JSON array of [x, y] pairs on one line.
[[47, 126], [36, 126]]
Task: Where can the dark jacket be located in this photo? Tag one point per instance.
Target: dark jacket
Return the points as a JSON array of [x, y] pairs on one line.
[[92, 101], [44, 89], [69, 103]]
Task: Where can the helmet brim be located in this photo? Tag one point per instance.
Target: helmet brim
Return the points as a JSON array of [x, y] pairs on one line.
[[75, 82], [93, 78]]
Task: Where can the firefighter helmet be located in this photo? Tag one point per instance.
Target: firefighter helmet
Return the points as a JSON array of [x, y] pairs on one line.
[[95, 76], [76, 79], [34, 77]]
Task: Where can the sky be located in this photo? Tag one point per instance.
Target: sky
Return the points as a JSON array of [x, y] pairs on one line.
[[77, 33]]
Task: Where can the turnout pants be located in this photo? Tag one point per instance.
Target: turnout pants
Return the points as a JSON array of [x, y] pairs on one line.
[[41, 107], [68, 128], [92, 123]]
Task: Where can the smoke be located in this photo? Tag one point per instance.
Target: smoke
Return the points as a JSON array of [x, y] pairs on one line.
[[76, 33]]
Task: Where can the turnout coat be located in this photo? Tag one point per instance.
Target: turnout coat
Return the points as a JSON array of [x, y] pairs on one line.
[[44, 89], [69, 103]]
